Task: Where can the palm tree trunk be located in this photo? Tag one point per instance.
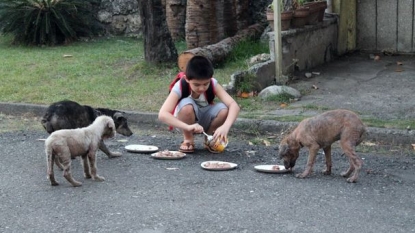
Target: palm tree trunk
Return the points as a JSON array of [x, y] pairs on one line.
[[158, 44]]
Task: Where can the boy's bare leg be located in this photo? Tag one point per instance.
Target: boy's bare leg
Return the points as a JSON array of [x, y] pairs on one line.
[[218, 121], [187, 115]]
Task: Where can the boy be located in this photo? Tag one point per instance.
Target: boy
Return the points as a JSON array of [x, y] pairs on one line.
[[196, 113]]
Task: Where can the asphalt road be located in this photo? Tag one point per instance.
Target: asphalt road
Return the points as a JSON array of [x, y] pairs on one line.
[[141, 194]]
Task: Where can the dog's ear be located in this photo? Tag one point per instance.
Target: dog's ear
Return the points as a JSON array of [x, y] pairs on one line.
[[283, 150]]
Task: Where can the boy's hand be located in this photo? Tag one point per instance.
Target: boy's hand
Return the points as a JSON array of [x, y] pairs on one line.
[[221, 132], [195, 128]]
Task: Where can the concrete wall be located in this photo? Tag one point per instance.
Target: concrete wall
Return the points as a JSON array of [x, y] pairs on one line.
[[307, 47]]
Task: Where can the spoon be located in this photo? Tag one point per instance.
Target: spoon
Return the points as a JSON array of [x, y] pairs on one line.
[[209, 137]]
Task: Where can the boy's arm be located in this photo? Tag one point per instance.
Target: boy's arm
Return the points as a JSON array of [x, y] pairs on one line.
[[166, 112]]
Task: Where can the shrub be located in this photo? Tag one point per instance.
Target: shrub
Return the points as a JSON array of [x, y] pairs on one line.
[[47, 22]]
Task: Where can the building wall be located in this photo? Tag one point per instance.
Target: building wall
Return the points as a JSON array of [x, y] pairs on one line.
[[385, 25]]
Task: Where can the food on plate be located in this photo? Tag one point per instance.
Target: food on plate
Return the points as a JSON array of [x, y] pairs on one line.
[[276, 168], [217, 165], [167, 153]]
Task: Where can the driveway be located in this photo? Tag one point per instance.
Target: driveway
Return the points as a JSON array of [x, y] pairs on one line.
[[141, 194]]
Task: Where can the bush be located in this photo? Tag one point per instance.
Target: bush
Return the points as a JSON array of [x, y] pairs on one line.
[[47, 22]]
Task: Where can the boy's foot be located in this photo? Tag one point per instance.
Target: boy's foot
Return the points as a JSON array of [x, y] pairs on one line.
[[187, 147]]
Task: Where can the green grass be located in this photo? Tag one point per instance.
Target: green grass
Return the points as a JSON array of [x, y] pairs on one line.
[[104, 72], [112, 73]]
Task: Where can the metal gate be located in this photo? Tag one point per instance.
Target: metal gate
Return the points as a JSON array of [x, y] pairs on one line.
[[386, 25]]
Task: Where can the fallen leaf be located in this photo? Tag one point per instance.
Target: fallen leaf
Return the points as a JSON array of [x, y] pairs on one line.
[[67, 55], [315, 87], [399, 63], [398, 70], [413, 146], [250, 143], [283, 105], [376, 58], [316, 73], [172, 168], [369, 144], [267, 143]]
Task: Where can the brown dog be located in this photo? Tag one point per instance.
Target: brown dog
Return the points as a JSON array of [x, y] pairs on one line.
[[64, 145], [322, 131]]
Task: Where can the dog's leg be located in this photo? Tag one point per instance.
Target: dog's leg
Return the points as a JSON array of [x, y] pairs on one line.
[[93, 165], [58, 163], [355, 162], [85, 165], [66, 163], [327, 154], [51, 176], [310, 163], [104, 149]]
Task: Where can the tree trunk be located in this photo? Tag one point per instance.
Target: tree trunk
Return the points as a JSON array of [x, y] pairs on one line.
[[158, 44], [216, 53], [176, 18], [198, 14], [242, 14]]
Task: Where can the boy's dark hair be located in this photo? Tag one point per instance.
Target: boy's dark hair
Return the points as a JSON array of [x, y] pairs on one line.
[[199, 68]]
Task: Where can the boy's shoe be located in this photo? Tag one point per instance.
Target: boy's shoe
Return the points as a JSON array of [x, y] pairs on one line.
[[187, 147]]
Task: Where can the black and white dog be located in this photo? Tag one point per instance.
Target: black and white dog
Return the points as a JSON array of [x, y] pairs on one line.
[[68, 114]]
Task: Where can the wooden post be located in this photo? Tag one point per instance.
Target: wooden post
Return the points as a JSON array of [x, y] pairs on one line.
[[278, 42], [347, 25]]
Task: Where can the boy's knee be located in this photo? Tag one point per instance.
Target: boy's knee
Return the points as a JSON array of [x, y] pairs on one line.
[[223, 114], [187, 110]]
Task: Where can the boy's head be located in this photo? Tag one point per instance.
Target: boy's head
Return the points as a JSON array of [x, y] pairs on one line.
[[199, 68]]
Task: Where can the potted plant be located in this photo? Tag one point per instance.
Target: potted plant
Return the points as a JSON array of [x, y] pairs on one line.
[[301, 13], [317, 9], [286, 15]]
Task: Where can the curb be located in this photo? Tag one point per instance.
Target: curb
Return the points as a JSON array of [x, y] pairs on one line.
[[387, 136]]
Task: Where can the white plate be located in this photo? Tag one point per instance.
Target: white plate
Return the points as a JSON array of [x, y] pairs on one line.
[[177, 155], [231, 166], [141, 148], [269, 168]]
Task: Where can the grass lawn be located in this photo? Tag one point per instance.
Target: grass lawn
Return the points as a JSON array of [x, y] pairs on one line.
[[103, 72], [112, 73]]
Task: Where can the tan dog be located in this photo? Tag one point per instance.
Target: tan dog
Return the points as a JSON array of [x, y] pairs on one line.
[[64, 145], [322, 131]]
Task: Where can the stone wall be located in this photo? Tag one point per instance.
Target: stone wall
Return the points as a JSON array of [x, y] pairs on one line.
[[120, 17]]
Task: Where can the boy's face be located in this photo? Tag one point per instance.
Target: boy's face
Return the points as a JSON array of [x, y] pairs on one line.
[[199, 86]]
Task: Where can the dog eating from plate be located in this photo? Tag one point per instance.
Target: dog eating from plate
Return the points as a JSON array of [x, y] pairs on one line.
[[320, 132]]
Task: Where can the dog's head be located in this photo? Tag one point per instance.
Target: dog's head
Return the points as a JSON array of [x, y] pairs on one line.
[[289, 150], [121, 124], [109, 127]]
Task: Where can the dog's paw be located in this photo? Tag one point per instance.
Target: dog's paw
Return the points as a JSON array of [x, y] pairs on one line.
[[114, 155], [99, 178], [352, 179], [76, 184], [301, 176], [326, 172], [54, 183], [87, 176]]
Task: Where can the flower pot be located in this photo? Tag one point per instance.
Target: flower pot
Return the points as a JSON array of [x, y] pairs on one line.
[[300, 17], [286, 17], [323, 6], [313, 16]]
